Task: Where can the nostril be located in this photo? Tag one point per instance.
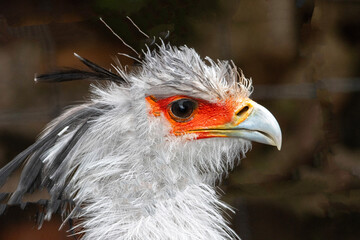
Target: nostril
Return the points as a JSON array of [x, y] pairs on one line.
[[242, 111]]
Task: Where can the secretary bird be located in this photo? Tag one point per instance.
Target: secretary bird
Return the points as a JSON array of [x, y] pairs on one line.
[[142, 157]]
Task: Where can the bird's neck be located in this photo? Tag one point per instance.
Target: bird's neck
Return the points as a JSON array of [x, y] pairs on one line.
[[192, 211], [152, 188]]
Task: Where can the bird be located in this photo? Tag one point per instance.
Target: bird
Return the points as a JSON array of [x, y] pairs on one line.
[[143, 156]]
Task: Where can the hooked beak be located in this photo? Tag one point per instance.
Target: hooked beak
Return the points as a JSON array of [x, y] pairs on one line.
[[251, 121], [259, 126]]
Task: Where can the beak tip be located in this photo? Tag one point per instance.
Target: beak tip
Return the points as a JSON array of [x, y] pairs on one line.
[[276, 143], [278, 139], [279, 142]]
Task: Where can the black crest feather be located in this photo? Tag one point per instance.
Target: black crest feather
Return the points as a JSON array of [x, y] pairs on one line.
[[98, 74]]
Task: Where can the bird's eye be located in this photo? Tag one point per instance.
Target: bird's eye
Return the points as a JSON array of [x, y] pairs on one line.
[[182, 110]]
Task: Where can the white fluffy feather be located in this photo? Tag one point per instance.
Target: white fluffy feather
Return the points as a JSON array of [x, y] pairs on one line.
[[131, 179]]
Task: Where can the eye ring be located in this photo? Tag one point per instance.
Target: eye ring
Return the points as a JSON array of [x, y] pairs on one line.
[[182, 110]]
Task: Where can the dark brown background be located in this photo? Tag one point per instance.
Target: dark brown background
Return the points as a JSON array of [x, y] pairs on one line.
[[304, 59]]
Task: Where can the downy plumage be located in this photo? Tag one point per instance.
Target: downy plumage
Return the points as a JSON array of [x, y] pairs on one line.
[[128, 167]]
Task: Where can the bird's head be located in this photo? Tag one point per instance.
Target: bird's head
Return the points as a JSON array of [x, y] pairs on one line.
[[176, 113], [199, 108]]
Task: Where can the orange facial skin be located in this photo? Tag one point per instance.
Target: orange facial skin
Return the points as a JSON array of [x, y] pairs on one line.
[[207, 120]]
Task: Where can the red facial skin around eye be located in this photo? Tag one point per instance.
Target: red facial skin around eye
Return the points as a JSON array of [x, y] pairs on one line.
[[207, 115]]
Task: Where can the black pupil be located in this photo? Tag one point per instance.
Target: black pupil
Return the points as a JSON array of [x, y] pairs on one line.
[[183, 108]]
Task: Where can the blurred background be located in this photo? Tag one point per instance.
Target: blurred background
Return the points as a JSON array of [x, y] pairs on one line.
[[303, 57]]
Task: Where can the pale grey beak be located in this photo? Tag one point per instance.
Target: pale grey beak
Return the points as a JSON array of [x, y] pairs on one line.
[[252, 122], [260, 126]]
